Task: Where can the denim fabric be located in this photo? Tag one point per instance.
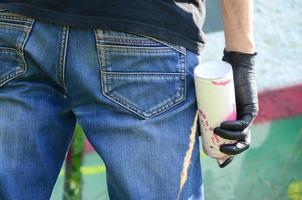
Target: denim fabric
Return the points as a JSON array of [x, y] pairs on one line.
[[133, 95]]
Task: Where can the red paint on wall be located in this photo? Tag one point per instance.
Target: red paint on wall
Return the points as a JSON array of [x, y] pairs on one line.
[[281, 103]]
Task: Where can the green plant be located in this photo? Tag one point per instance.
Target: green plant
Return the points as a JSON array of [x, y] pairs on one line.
[[73, 163]]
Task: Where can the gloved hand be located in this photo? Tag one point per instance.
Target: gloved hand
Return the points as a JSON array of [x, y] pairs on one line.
[[246, 104]]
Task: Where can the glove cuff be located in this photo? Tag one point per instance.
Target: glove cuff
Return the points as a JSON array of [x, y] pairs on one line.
[[239, 59]]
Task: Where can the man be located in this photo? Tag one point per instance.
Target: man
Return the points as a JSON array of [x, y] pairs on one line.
[[123, 70]]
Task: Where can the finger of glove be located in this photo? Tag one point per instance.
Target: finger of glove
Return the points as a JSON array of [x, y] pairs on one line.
[[231, 135], [234, 149], [227, 162], [237, 125]]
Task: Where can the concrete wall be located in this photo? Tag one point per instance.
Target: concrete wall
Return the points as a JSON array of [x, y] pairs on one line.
[[278, 33]]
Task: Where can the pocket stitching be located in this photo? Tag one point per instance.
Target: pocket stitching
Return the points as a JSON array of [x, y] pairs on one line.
[[156, 110], [178, 48], [153, 111], [104, 60], [16, 18], [153, 50], [21, 57], [137, 38], [15, 72]]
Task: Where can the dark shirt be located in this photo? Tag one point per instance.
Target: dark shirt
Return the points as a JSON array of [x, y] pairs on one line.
[[176, 21]]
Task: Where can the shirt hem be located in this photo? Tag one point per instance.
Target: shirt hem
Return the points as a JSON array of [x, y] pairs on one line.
[[90, 22]]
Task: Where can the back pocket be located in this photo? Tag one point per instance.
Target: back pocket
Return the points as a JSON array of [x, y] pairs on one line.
[[14, 31], [144, 75]]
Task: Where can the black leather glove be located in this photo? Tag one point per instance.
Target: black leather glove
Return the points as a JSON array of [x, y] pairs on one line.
[[246, 104]]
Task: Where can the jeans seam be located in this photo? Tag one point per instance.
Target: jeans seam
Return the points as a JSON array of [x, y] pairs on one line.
[[25, 40], [62, 56], [98, 34], [185, 71]]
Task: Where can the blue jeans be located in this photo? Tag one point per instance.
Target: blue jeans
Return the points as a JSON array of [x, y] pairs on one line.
[[133, 95]]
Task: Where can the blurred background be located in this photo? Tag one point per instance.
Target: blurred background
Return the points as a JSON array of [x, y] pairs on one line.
[[272, 168]]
